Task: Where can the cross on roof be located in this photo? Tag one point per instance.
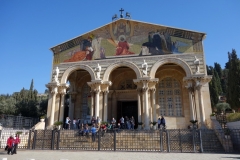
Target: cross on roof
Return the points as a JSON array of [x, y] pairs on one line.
[[121, 10]]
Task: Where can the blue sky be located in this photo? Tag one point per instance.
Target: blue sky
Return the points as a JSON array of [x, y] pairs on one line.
[[29, 28]]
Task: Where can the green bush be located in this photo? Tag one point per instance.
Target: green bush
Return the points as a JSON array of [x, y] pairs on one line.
[[19, 132], [213, 114], [42, 117], [153, 123], [232, 117], [58, 123], [105, 123]]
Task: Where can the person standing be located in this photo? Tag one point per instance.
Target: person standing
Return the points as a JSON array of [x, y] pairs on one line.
[[94, 132], [122, 122], [10, 143], [69, 123], [159, 122], [78, 123], [66, 123], [17, 141], [113, 123], [93, 121], [74, 123], [163, 122], [132, 122], [98, 121]]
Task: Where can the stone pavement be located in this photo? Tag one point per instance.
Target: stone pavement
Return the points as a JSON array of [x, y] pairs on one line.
[[110, 155]]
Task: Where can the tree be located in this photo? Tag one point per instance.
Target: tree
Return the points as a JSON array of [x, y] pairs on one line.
[[233, 90], [31, 86], [7, 105], [221, 75], [214, 86]]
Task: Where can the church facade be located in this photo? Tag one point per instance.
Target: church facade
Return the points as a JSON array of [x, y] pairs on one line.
[[131, 68]]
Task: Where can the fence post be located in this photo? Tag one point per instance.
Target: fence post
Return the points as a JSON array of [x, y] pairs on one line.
[[168, 143], [53, 138], [161, 140], [34, 139], [180, 139], [99, 140], [200, 138], [114, 140], [194, 143], [58, 139], [29, 138]]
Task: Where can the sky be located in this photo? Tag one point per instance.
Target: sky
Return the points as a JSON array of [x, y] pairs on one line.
[[29, 28]]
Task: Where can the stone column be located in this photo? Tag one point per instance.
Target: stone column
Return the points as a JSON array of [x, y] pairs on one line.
[[97, 103], [54, 93], [191, 92], [192, 111], [53, 88], [139, 105], [92, 104], [194, 85], [105, 107], [150, 107], [49, 108], [95, 86], [62, 91], [146, 108], [201, 106], [61, 114], [153, 92]]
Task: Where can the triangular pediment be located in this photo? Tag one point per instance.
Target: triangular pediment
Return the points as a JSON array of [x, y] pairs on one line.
[[126, 37]]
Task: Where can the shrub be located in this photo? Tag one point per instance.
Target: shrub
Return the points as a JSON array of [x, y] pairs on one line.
[[105, 123], [213, 114], [232, 117], [19, 132], [154, 123], [222, 107], [42, 117], [58, 123], [194, 121]]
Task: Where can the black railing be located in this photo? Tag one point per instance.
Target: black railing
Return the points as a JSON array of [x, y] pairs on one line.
[[172, 140], [17, 122], [23, 135]]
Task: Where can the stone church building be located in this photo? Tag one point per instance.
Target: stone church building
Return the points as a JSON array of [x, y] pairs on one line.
[[131, 68]]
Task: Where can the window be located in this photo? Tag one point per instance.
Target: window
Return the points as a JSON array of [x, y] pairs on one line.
[[86, 101], [170, 97], [127, 85]]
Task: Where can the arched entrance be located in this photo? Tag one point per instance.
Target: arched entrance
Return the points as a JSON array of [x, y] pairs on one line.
[[123, 94], [79, 102], [171, 95]]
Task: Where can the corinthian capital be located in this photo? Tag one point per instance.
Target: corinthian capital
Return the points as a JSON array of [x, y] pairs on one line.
[[145, 89], [53, 87]]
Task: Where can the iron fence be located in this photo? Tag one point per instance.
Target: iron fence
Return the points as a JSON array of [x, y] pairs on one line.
[[172, 140], [23, 135], [17, 122]]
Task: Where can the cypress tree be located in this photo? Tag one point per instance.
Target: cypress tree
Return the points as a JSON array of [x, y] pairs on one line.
[[31, 86], [213, 86], [233, 90], [219, 71]]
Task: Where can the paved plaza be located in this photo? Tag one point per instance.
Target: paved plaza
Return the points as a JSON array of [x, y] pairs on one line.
[[110, 155]]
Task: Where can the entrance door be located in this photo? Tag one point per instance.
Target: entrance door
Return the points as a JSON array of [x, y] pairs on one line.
[[129, 109]]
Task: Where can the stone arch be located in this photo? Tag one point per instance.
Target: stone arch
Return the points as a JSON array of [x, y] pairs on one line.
[[71, 69], [177, 61], [131, 65]]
